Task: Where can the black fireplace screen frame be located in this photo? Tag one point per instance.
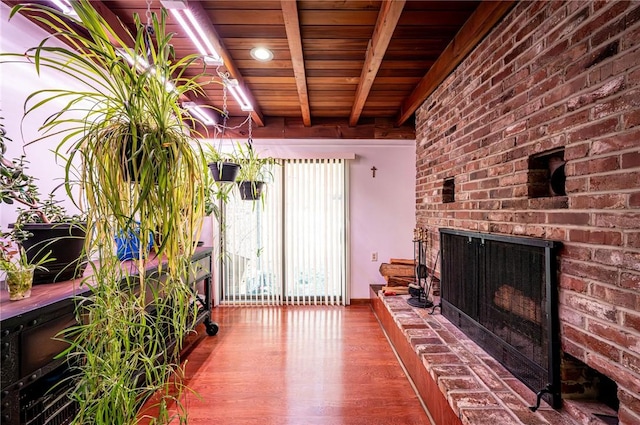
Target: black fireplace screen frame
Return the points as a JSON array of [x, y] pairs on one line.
[[468, 271]]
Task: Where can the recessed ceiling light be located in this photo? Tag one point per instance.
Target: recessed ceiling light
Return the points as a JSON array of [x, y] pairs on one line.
[[261, 54]]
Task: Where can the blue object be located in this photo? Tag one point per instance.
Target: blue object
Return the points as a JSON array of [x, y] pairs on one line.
[[128, 244]]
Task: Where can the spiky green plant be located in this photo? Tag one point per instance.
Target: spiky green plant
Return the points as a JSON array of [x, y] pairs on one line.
[[139, 168]]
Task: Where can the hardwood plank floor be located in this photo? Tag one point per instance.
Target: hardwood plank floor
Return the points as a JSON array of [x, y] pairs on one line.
[[300, 366]]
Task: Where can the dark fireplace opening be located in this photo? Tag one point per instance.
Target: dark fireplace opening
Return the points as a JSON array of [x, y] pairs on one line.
[[501, 291], [581, 382]]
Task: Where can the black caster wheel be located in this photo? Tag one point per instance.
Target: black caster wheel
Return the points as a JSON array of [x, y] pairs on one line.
[[212, 328]]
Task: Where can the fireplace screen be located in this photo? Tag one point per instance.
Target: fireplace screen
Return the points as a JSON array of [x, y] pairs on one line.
[[501, 291]]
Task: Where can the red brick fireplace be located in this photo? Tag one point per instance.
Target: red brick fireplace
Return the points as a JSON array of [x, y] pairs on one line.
[[537, 133]]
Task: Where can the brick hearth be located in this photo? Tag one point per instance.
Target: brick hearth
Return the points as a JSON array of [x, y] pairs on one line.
[[458, 381]]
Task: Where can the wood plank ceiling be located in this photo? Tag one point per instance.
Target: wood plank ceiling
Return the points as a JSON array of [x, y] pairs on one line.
[[341, 68]]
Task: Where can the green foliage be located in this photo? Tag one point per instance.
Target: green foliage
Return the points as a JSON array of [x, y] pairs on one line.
[[214, 155], [13, 258], [138, 165], [216, 191], [17, 186], [254, 167]]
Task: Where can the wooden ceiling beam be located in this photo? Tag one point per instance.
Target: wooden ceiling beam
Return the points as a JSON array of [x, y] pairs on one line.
[[202, 17], [324, 128], [292, 26], [483, 19], [385, 25]]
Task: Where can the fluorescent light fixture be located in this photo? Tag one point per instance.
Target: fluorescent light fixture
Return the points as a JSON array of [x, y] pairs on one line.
[[210, 60], [181, 12], [140, 63], [168, 85], [173, 4], [194, 30], [199, 112], [238, 95], [261, 54], [65, 7]]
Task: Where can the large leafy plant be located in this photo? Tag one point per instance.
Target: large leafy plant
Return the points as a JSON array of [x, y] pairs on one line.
[[43, 231], [19, 187], [139, 169]]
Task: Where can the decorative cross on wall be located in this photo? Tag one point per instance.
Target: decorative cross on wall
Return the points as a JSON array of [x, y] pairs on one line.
[[373, 169]]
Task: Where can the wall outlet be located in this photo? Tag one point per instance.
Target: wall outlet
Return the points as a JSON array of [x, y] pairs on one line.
[[374, 256]]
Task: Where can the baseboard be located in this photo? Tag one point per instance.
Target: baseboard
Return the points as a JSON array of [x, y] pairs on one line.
[[360, 301]]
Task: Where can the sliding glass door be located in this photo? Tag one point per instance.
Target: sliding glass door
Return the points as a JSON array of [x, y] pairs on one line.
[[291, 248]]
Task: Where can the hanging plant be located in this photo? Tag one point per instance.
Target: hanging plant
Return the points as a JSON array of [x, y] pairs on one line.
[[255, 171], [251, 190], [223, 167], [138, 166]]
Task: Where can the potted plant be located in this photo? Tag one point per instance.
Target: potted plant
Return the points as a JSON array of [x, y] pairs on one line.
[[134, 84], [223, 170], [46, 230], [254, 172], [222, 166], [14, 262]]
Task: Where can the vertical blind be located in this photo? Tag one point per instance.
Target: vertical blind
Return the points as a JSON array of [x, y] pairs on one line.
[[291, 248]]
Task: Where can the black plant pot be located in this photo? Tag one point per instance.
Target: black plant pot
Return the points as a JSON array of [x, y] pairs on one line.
[[224, 171], [250, 191], [131, 162], [133, 158], [65, 241]]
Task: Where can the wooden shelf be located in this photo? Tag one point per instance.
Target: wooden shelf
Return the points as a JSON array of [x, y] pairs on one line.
[[29, 327]]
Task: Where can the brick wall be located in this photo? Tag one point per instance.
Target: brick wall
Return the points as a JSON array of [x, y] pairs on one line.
[[552, 75]]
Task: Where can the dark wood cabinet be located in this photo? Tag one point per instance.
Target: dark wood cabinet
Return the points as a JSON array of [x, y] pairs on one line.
[[30, 372]]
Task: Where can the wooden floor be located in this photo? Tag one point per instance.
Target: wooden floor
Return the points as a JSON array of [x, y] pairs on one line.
[[299, 366]]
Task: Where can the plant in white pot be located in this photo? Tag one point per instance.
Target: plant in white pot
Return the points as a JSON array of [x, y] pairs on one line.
[[139, 170]]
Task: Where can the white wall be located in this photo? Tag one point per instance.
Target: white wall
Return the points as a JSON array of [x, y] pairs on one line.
[[382, 215], [17, 82]]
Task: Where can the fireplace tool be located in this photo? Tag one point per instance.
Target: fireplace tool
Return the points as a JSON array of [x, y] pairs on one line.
[[419, 291]]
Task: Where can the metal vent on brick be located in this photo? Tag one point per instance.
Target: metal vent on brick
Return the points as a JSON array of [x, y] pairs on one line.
[[501, 291]]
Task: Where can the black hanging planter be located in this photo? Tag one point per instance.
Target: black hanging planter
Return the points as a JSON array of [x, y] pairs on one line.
[[132, 161], [250, 191], [224, 171], [65, 241]]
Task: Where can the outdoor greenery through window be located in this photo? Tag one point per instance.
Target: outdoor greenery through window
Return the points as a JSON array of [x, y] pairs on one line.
[[290, 248]]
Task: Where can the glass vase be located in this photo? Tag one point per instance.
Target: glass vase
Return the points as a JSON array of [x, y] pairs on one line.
[[19, 283]]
